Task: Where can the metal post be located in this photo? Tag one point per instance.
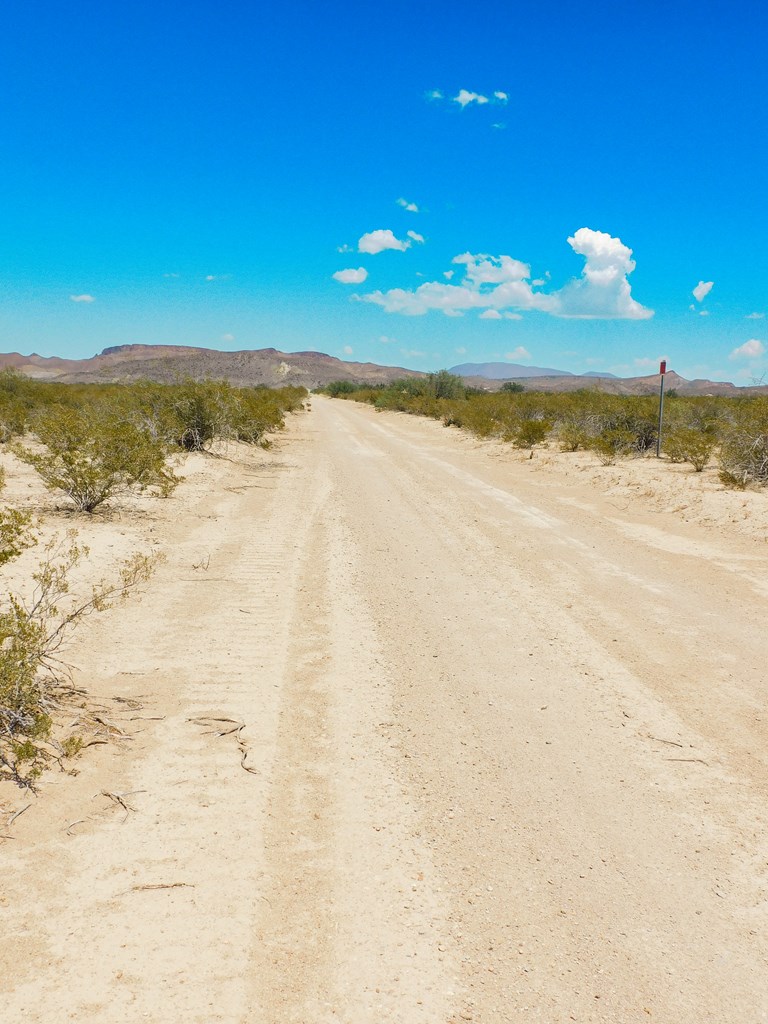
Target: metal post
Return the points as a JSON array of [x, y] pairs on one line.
[[662, 371]]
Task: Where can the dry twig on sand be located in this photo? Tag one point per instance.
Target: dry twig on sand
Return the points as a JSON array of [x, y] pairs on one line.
[[236, 730]]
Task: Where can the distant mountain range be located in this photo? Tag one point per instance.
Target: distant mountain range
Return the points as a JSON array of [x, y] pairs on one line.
[[269, 366], [166, 363], [516, 371]]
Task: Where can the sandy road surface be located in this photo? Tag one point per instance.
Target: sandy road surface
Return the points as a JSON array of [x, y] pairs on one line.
[[508, 747]]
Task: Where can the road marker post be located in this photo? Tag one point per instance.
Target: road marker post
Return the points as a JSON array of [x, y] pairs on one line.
[[662, 371]]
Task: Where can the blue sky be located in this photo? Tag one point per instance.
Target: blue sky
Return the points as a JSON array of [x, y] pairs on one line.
[[181, 173]]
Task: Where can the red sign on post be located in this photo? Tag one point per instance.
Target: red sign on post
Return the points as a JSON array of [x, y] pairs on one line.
[[663, 367]]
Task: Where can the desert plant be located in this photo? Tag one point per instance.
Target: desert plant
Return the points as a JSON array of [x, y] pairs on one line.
[[93, 453], [686, 444], [743, 454], [612, 444], [34, 681]]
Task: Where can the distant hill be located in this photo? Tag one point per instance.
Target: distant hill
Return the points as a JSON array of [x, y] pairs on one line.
[[166, 363], [505, 371], [270, 367], [517, 371]]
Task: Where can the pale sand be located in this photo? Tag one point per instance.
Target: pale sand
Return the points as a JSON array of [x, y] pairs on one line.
[[508, 731]]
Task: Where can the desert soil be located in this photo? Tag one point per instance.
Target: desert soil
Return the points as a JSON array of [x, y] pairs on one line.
[[504, 756]]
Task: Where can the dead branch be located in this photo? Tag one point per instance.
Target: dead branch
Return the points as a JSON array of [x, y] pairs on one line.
[[691, 760], [18, 814], [162, 885]]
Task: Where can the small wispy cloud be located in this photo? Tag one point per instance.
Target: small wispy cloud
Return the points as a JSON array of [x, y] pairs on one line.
[[754, 316], [416, 236], [171, 275], [82, 298], [227, 337], [490, 314], [518, 353], [379, 240], [751, 349], [461, 351], [465, 98], [411, 207], [702, 289], [412, 353], [386, 340], [348, 350], [448, 274], [344, 248], [351, 276]]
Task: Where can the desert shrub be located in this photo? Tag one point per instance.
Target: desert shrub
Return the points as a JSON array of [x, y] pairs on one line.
[[34, 681], [513, 387], [337, 388], [612, 444], [530, 433], [15, 533], [93, 453], [573, 436], [445, 385], [743, 454], [202, 411], [686, 444]]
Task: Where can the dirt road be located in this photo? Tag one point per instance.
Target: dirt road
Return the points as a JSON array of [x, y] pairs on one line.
[[507, 752]]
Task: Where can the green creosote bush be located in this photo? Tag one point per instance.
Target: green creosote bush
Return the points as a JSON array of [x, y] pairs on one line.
[[686, 444], [743, 454], [610, 445], [529, 433], [15, 530], [93, 453], [202, 412], [34, 680]]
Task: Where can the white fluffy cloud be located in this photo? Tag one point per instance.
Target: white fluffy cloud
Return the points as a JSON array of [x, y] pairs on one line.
[[465, 97], [491, 314], [348, 350], [502, 283], [603, 291], [416, 236], [519, 353], [751, 349], [502, 97], [702, 289], [351, 276], [82, 298], [379, 240], [410, 207]]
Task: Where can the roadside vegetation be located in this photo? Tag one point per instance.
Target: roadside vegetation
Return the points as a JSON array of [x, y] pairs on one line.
[[91, 445], [732, 431]]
